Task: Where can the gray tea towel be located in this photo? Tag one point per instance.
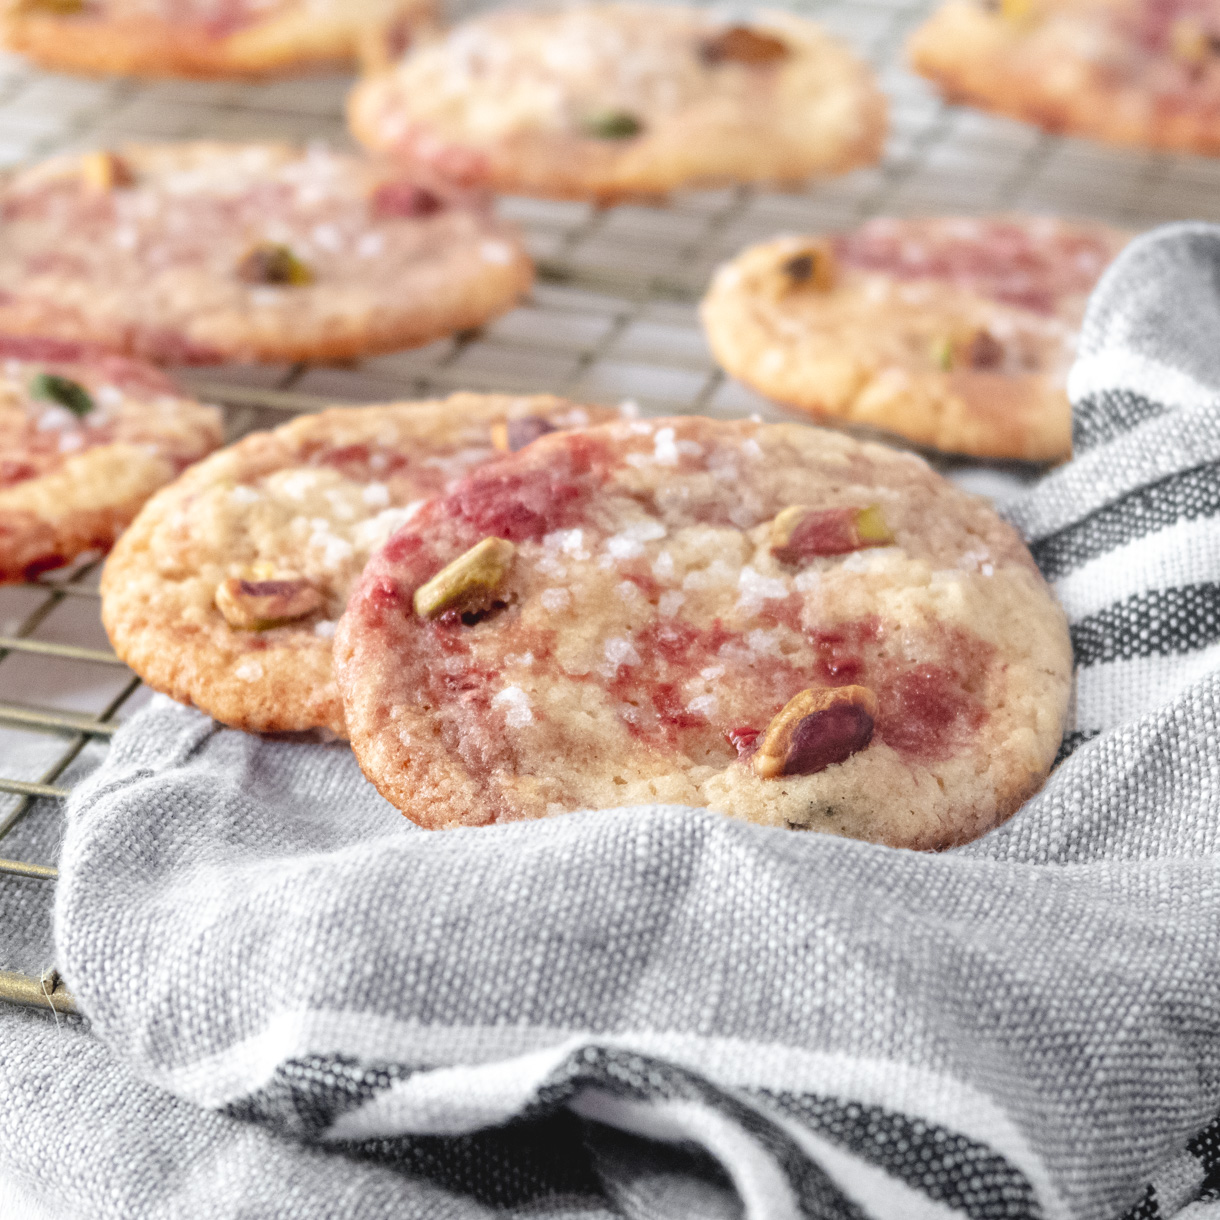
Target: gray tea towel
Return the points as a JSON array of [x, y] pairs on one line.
[[301, 1006]]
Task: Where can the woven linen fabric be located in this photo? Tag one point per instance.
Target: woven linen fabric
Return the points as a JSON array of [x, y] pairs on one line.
[[664, 1014]]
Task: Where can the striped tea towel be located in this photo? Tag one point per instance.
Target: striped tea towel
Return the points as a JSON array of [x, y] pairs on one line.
[[658, 1012]]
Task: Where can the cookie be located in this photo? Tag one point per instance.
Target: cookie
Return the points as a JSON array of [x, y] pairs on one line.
[[1136, 72], [772, 621], [203, 252], [169, 38], [225, 591], [610, 101], [954, 333], [85, 438]]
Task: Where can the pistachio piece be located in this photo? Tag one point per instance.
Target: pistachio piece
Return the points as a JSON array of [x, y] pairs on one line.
[[50, 387], [813, 266], [942, 352], [258, 605], [816, 729], [986, 351], [393, 200], [271, 263], [742, 45], [469, 582], [800, 533], [612, 125], [60, 8], [512, 434], [977, 349], [104, 170]]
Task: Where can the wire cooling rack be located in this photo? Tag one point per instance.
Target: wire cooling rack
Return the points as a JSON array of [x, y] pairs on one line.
[[612, 317]]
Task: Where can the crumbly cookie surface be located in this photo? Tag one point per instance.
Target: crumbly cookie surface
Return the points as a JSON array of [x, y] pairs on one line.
[[202, 252], [296, 510], [614, 100], [210, 38], [648, 626], [85, 438], [955, 333], [1135, 72]]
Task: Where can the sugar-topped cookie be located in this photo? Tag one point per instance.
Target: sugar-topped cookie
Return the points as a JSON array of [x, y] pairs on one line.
[[225, 591], [954, 332], [209, 38], [204, 252], [85, 438], [607, 101], [773, 621], [1136, 72]]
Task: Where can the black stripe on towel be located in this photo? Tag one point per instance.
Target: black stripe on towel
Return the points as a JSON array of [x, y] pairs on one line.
[[1206, 1148], [1072, 741], [1185, 496], [641, 1078], [505, 1168], [1147, 1208], [944, 1165], [1162, 622], [1109, 413], [305, 1096]]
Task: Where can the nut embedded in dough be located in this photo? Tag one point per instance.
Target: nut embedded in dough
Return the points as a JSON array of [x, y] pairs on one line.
[[56, 8], [816, 729], [742, 45], [975, 349], [808, 267], [63, 391], [799, 533], [271, 263], [258, 605], [104, 170], [466, 584], [612, 125], [509, 435]]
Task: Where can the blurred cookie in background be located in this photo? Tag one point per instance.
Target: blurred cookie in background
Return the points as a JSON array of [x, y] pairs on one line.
[[954, 333], [238, 38], [1136, 72], [612, 101], [204, 252], [85, 438]]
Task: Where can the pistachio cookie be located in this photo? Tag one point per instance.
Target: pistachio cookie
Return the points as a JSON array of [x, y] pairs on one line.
[[773, 621], [201, 38], [954, 333], [225, 591], [1137, 72], [202, 252], [85, 438], [608, 101]]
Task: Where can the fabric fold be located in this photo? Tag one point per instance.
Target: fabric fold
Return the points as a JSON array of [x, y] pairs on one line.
[[691, 1013]]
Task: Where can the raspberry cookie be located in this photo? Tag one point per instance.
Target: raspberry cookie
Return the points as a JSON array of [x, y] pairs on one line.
[[1138, 72], [608, 101], [955, 333], [225, 591], [200, 38], [202, 252], [773, 621], [85, 438]]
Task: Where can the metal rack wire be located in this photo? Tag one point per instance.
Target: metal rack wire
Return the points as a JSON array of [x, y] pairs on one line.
[[613, 317]]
